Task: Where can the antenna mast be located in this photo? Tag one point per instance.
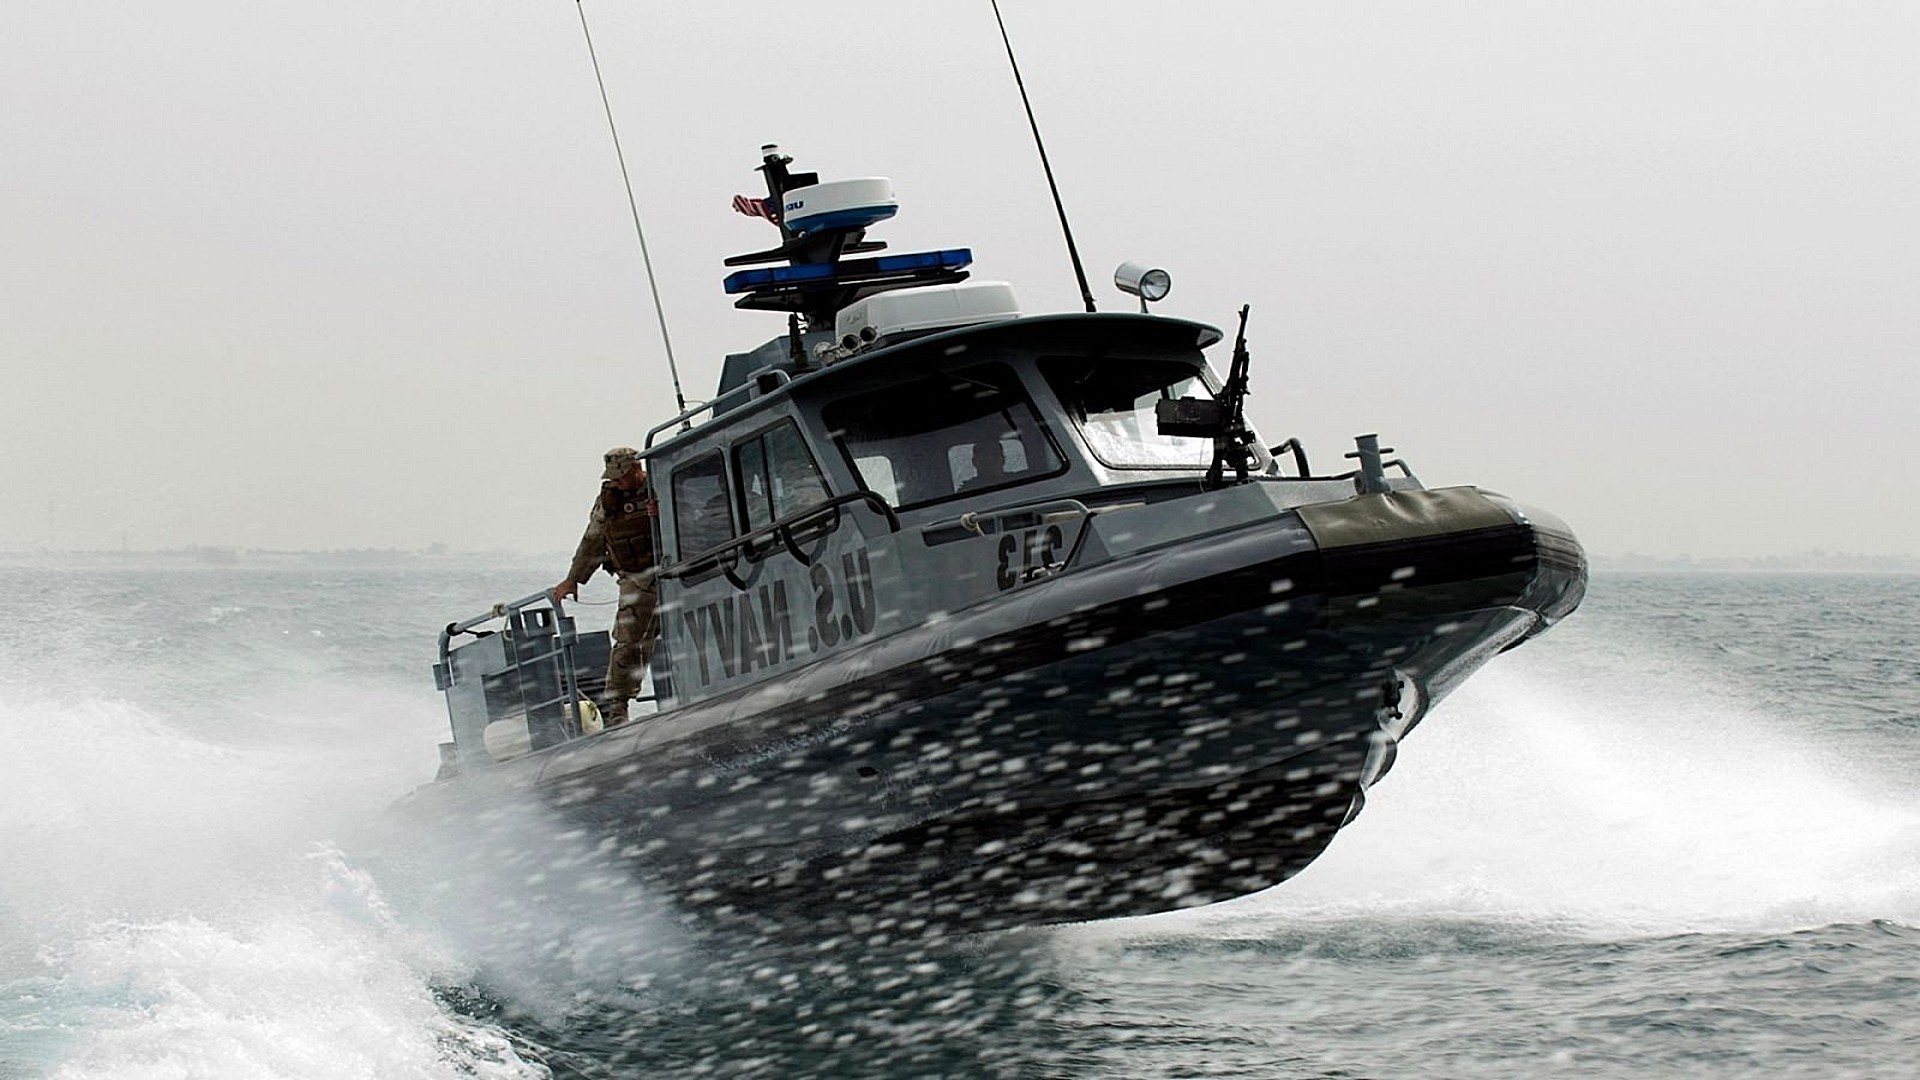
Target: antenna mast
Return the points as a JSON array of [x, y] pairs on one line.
[[660, 312], [1079, 272]]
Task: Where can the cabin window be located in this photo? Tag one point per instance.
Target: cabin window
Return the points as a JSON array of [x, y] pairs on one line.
[[701, 515], [777, 475], [1113, 401], [944, 435]]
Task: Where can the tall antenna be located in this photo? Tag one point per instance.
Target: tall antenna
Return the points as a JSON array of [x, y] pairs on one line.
[[1079, 272], [659, 312]]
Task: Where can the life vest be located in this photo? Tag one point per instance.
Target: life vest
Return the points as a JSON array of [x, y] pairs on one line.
[[629, 529]]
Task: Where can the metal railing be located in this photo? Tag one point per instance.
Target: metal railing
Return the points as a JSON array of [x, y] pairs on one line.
[[539, 655], [726, 554], [752, 388]]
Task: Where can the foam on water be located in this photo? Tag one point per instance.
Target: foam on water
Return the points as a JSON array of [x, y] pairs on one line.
[[289, 994], [170, 906]]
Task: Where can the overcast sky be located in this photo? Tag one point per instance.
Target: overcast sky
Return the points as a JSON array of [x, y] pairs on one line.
[[351, 274]]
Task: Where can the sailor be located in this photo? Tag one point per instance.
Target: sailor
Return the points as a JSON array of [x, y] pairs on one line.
[[619, 537], [989, 464]]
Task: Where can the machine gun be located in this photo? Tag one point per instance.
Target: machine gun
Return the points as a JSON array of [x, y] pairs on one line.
[[1222, 419]]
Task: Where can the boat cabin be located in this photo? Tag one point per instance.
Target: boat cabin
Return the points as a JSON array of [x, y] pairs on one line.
[[823, 506], [933, 450]]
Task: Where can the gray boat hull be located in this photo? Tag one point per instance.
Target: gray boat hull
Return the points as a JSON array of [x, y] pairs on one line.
[[1165, 730]]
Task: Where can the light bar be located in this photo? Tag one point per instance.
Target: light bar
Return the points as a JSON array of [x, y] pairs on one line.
[[849, 270]]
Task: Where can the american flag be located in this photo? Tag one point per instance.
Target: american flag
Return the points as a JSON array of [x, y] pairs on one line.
[[756, 208]]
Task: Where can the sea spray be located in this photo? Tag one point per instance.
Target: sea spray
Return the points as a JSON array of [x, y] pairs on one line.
[[1644, 804], [171, 907]]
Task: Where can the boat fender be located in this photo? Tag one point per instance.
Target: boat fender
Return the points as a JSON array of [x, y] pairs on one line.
[[590, 720], [507, 738]]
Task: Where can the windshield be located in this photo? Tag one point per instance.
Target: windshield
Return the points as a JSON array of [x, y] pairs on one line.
[[1113, 401], [944, 435]]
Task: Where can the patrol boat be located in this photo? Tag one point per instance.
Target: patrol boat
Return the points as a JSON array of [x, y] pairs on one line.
[[975, 619]]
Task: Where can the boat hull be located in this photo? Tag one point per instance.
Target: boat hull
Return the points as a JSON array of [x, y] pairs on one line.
[[1167, 730]]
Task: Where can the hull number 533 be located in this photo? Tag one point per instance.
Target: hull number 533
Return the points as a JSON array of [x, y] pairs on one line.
[[1028, 554]]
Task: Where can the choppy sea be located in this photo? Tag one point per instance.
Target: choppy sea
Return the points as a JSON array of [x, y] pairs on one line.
[[1677, 836]]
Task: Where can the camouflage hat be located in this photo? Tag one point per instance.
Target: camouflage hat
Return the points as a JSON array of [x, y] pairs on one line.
[[619, 460]]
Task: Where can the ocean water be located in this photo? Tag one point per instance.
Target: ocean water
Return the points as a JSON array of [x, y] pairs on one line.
[[1679, 835]]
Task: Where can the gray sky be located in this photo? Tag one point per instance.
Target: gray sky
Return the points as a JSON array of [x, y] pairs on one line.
[[362, 274]]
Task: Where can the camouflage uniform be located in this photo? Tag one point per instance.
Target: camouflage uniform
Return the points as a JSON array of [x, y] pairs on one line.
[[619, 537]]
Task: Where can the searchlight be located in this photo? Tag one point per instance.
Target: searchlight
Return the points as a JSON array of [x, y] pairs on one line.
[[1149, 283]]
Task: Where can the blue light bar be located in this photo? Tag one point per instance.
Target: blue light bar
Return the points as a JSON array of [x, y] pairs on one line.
[[847, 270]]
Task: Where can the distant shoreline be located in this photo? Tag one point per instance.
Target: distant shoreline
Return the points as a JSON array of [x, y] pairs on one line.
[[215, 558], [1807, 563], [440, 557]]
